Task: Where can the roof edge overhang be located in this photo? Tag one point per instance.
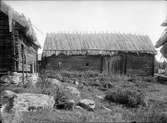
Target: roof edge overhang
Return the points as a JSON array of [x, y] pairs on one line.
[[47, 53]]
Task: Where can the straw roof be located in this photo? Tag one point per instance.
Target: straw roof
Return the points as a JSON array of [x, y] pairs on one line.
[[21, 19], [95, 44], [163, 42]]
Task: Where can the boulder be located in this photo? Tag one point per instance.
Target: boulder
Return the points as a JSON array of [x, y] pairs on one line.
[[14, 78], [9, 94], [28, 101], [11, 79], [54, 82], [87, 104], [31, 102], [17, 78]]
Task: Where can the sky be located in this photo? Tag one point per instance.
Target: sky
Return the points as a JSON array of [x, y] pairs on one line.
[[136, 17]]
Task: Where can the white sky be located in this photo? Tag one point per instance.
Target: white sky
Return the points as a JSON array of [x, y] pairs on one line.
[[139, 17]]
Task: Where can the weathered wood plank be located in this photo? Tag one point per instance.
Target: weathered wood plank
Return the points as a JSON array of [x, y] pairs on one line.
[[141, 64], [74, 63]]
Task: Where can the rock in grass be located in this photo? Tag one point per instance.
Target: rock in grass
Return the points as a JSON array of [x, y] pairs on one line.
[[76, 82], [55, 82], [31, 102], [17, 78], [9, 94], [74, 91], [28, 101], [100, 97], [11, 79], [87, 104]]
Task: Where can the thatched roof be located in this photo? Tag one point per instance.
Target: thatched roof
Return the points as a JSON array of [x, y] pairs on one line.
[[163, 42], [21, 19], [97, 43]]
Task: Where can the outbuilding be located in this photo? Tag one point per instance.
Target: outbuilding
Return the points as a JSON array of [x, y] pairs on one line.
[[113, 53]]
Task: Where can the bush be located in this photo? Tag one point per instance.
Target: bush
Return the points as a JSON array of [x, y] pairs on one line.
[[129, 98]]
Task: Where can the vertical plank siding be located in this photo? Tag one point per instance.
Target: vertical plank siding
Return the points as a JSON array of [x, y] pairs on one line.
[[114, 64]]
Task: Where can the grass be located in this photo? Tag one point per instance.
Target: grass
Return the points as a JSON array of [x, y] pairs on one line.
[[125, 97], [151, 114], [70, 116]]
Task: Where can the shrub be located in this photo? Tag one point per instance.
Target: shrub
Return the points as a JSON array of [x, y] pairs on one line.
[[129, 98]]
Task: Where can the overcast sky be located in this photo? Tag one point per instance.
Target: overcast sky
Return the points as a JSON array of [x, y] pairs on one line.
[[139, 17]]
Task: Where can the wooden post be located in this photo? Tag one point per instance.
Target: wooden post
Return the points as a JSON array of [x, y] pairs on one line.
[[22, 51], [125, 63], [153, 62], [101, 67]]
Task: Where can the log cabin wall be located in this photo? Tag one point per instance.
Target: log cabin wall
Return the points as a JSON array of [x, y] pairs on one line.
[[121, 63], [27, 55], [74, 63], [11, 44], [140, 64], [6, 62]]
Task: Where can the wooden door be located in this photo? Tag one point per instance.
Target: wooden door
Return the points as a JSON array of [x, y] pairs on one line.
[[116, 65]]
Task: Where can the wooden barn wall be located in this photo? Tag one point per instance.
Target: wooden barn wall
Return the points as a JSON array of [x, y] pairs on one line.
[[114, 64], [5, 44], [74, 63], [140, 64]]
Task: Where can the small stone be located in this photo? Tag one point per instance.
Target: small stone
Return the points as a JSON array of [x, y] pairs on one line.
[[54, 82], [76, 82], [9, 94], [78, 107], [87, 104], [100, 97], [74, 91]]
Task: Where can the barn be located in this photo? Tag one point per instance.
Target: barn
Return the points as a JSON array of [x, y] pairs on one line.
[[18, 43], [112, 53]]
